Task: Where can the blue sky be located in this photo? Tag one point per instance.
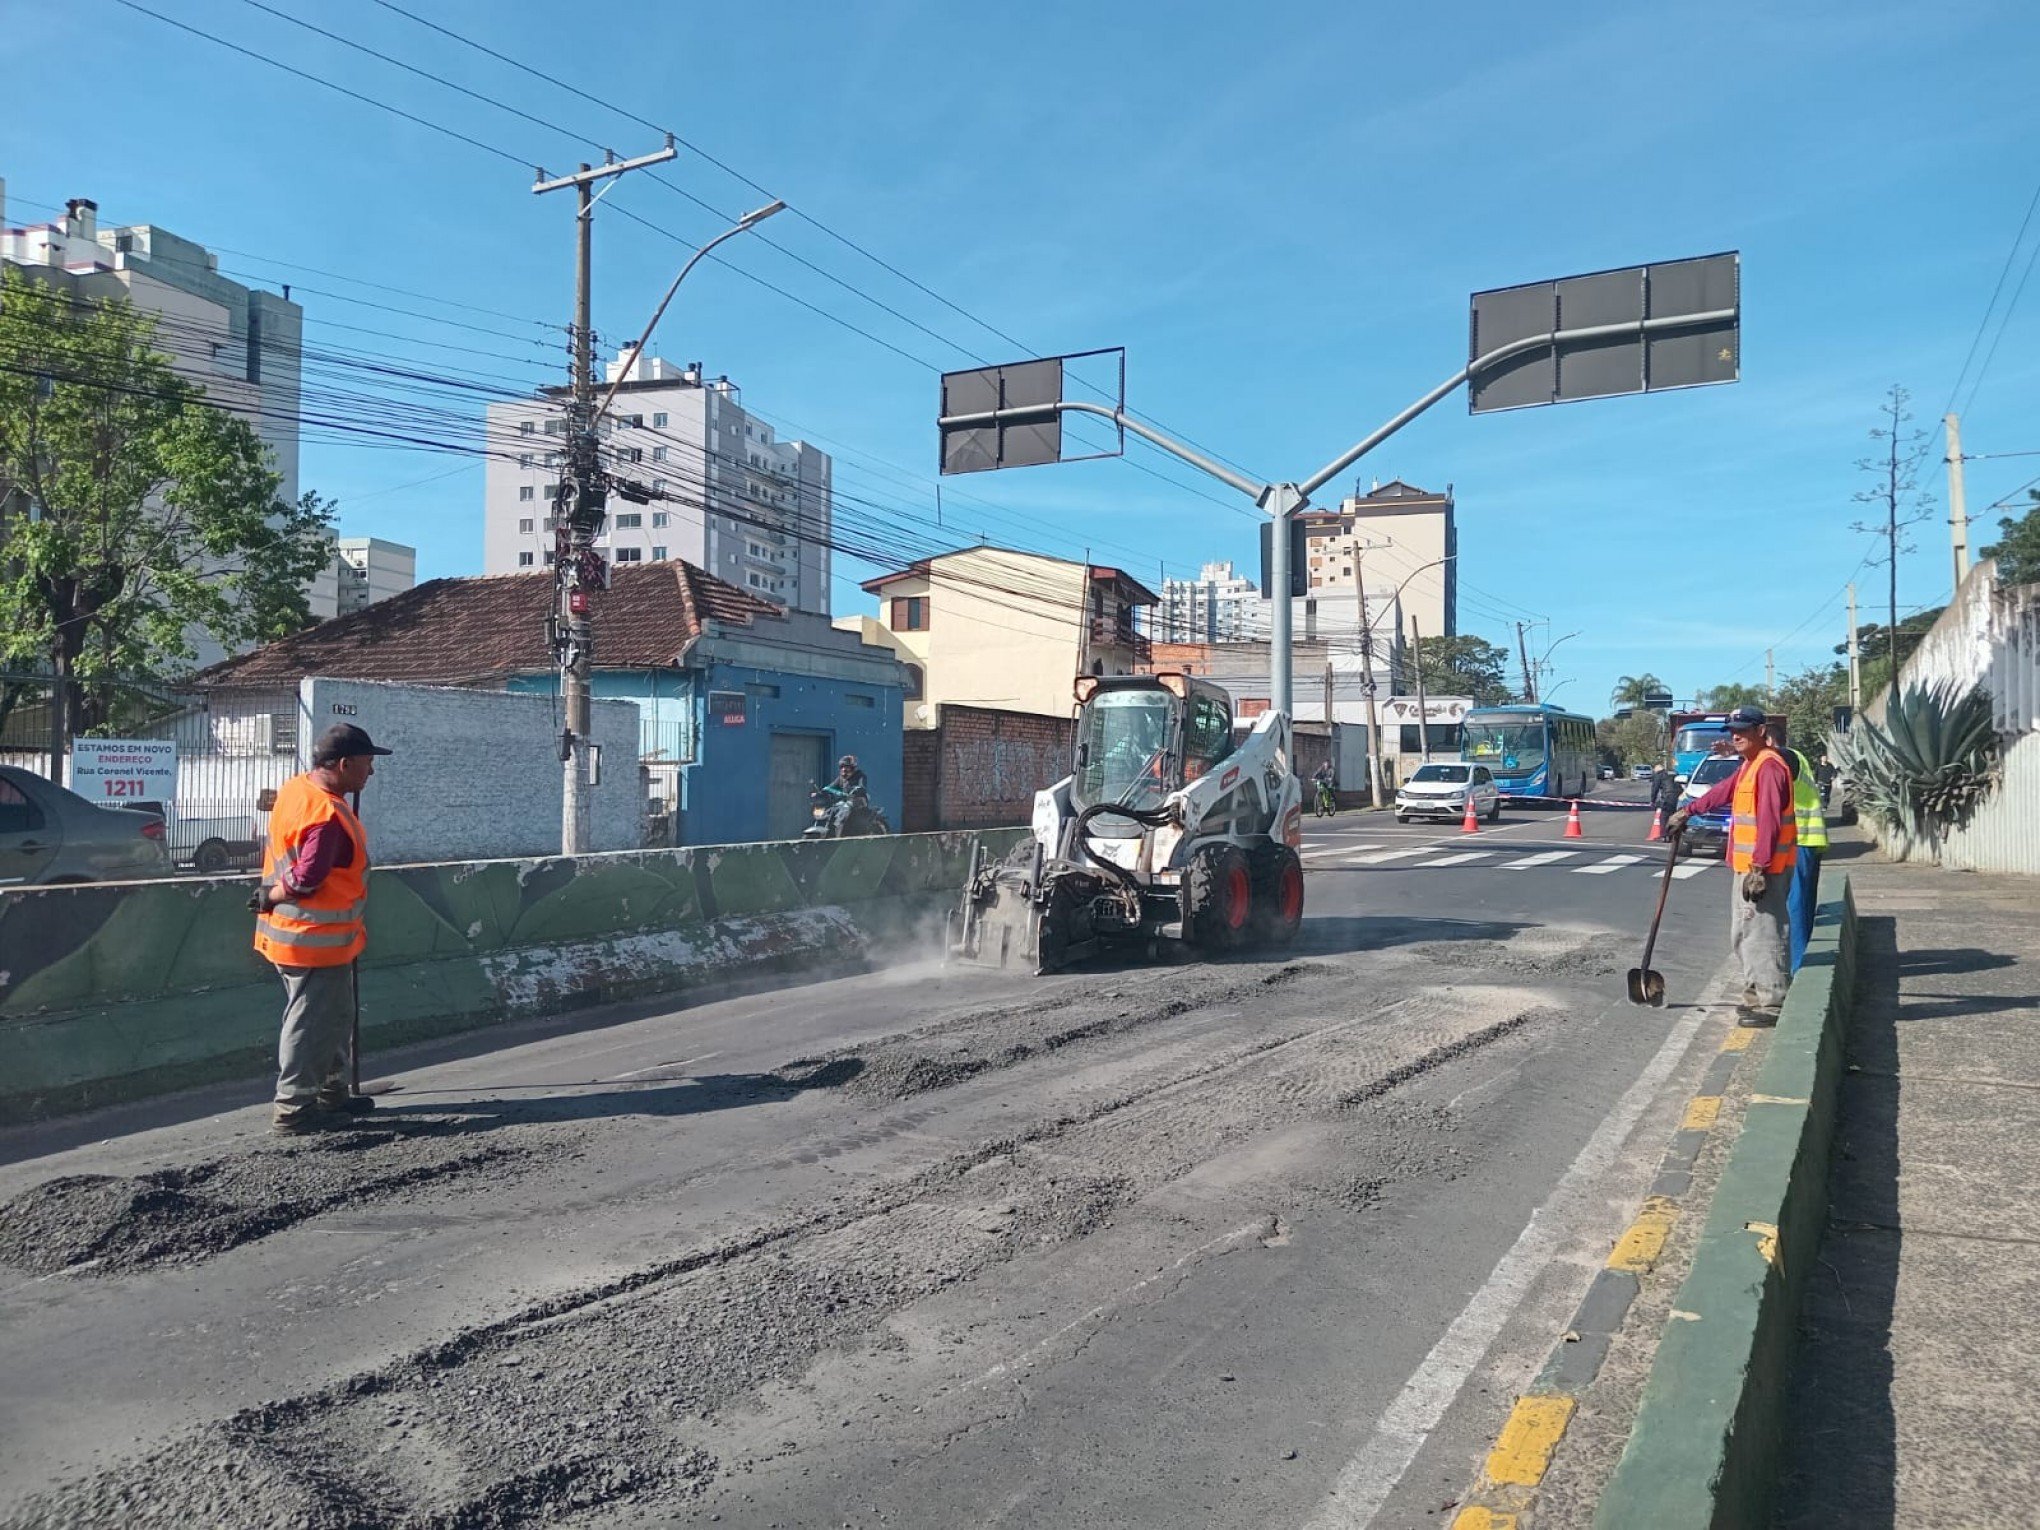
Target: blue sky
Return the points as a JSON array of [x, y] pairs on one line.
[[1279, 211]]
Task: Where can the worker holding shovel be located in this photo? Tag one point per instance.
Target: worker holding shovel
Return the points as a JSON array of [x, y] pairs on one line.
[[1762, 850], [309, 926]]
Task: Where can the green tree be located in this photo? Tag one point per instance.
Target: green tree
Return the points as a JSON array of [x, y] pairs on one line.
[[1873, 648], [1638, 739], [1631, 690], [1464, 666], [1726, 698], [2018, 554], [1808, 700], [132, 512]]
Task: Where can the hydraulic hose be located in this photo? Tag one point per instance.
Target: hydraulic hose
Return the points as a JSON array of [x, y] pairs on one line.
[[1147, 818]]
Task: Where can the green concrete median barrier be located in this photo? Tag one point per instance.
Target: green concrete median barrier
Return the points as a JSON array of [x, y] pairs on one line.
[[120, 991], [1704, 1448]]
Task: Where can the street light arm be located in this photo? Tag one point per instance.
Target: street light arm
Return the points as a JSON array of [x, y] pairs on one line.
[[744, 224]]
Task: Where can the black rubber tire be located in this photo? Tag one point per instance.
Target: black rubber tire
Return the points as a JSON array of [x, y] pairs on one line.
[[1494, 814], [1278, 896], [211, 858], [1218, 899]]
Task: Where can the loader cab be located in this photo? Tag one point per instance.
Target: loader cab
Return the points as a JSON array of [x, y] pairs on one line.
[[1141, 738]]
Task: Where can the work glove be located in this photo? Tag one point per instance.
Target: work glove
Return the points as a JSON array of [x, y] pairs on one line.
[[1753, 884], [1676, 824]]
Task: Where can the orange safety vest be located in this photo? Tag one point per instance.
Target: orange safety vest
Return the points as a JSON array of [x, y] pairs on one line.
[[324, 927], [1742, 838]]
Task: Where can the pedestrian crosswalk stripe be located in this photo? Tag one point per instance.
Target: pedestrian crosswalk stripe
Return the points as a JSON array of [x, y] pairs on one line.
[[1613, 863], [1544, 859], [1460, 859], [1378, 857], [1692, 869]]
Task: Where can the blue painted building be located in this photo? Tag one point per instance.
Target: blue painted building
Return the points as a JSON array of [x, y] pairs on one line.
[[741, 704]]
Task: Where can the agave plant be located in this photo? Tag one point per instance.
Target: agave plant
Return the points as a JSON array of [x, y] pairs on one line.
[[1929, 765]]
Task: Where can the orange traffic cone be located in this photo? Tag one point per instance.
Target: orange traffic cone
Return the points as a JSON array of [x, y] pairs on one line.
[[1572, 822], [1657, 827], [1470, 824]]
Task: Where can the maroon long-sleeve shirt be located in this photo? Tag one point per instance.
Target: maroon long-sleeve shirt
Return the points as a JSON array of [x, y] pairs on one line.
[[1774, 801], [324, 846]]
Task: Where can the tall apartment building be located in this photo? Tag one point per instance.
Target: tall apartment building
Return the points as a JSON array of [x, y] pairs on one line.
[[728, 495], [239, 343], [1390, 534], [1218, 606]]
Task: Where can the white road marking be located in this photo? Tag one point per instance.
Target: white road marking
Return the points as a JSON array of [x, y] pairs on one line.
[[1460, 859], [1380, 857], [1546, 858], [1613, 863], [1692, 869], [1407, 1422]]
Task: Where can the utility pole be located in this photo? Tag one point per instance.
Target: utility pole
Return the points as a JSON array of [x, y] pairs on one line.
[[1855, 657], [1523, 652], [1367, 659], [579, 509], [1958, 508], [1770, 676], [1423, 711], [1328, 697]]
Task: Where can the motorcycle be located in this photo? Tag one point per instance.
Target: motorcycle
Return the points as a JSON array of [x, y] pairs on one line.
[[1326, 801], [843, 818]]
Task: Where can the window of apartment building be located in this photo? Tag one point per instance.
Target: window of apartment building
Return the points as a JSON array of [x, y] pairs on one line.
[[910, 613], [551, 522], [524, 459], [658, 454], [548, 560], [630, 555], [524, 525], [658, 555], [630, 454], [916, 680], [555, 427], [527, 492], [630, 520], [659, 517], [637, 422], [525, 427], [658, 422], [524, 560]]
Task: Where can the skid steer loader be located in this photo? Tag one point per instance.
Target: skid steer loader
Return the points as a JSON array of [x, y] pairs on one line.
[[1165, 829]]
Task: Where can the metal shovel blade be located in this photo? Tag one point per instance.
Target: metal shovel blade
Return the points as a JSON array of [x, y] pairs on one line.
[[1647, 987]]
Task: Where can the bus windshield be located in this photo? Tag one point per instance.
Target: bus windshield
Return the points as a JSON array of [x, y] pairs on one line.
[[1123, 748], [1504, 743]]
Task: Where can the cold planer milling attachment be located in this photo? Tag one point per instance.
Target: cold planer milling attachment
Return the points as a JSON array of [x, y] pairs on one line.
[[1165, 829]]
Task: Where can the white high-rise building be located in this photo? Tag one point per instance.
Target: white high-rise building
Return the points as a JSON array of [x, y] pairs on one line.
[[1218, 606], [728, 495]]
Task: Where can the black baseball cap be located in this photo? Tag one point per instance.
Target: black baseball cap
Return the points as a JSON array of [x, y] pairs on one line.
[[1741, 720], [343, 741]]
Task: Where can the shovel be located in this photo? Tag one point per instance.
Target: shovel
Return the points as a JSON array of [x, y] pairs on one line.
[[1646, 986]]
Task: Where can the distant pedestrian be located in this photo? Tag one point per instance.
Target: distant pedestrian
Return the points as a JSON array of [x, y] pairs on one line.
[[310, 926], [1762, 852], [1664, 791], [1811, 822]]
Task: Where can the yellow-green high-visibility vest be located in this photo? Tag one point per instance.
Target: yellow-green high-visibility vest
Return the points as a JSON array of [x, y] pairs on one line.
[[1806, 804]]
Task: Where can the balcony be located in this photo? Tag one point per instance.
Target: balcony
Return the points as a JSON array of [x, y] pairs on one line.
[[1108, 634]]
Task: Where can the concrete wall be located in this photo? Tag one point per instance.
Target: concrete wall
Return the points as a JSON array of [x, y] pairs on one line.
[[1990, 637], [476, 774], [118, 991]]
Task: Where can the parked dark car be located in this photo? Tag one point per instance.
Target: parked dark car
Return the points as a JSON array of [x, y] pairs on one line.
[[49, 835]]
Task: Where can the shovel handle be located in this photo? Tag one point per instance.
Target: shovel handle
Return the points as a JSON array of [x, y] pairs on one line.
[[1664, 890]]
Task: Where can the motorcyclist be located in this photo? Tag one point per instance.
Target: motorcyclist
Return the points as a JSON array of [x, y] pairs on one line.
[[1322, 780], [843, 790]]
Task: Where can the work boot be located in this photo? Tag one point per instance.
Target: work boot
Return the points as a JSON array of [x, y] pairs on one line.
[[296, 1121], [340, 1102]]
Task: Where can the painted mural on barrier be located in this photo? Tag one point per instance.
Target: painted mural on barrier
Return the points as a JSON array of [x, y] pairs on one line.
[[97, 982]]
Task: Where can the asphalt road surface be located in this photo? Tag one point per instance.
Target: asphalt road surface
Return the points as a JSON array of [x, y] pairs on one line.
[[1272, 1241]]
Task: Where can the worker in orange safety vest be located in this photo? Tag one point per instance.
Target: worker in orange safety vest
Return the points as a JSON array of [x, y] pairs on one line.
[[1762, 851], [309, 926]]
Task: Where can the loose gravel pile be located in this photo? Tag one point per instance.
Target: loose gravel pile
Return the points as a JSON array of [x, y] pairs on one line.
[[105, 1224]]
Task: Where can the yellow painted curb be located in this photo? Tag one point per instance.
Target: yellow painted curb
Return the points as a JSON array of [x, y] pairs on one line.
[[1701, 1112], [1474, 1517], [1523, 1450], [1738, 1041], [1637, 1249]]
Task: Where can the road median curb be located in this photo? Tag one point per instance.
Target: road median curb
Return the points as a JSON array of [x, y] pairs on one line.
[[1703, 1450]]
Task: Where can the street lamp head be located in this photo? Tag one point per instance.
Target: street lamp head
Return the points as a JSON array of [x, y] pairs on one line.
[[761, 214]]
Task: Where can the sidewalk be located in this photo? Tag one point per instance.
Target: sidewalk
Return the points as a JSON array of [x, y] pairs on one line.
[[1916, 1390]]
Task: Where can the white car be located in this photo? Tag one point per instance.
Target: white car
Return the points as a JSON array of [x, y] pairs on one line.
[[1441, 791]]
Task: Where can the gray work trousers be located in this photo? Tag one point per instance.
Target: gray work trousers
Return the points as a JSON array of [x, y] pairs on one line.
[[318, 1025], [1757, 934]]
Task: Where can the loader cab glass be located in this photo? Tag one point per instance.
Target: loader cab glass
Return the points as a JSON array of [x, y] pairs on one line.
[[1207, 735], [1124, 748]]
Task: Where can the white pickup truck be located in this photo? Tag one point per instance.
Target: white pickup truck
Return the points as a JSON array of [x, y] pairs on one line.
[[205, 838]]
